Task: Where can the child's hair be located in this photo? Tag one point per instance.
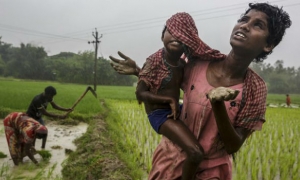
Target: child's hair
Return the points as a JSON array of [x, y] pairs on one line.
[[278, 22], [163, 31], [50, 90]]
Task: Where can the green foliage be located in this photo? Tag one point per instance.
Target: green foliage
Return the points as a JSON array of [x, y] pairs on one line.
[[279, 79], [31, 62], [26, 62]]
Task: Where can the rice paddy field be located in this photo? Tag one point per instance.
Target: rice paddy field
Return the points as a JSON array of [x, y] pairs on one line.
[[272, 153]]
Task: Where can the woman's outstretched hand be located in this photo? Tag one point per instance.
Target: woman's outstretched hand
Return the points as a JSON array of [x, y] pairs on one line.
[[222, 94], [126, 66]]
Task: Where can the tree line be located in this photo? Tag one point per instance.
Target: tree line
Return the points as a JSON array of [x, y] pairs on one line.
[[32, 62], [279, 79]]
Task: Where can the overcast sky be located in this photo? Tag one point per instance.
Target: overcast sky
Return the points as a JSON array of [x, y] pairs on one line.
[[130, 26]]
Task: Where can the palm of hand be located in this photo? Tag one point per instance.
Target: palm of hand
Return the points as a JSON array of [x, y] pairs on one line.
[[125, 66], [222, 94]]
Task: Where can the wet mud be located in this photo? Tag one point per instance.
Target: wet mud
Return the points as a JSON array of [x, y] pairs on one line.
[[59, 142]]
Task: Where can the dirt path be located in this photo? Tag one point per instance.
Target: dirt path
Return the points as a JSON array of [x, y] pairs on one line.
[[60, 138]]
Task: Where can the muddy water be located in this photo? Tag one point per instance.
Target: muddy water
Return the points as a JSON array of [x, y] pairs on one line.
[[60, 138]]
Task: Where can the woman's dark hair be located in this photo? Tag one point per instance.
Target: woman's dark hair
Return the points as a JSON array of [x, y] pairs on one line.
[[278, 22], [50, 90]]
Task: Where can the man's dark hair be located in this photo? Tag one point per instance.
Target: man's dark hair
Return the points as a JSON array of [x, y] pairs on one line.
[[50, 90], [278, 22]]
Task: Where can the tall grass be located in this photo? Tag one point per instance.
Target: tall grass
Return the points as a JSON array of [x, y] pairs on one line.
[[274, 151], [138, 138], [270, 153]]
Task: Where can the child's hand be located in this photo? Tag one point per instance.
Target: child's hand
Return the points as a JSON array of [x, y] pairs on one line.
[[222, 94], [175, 109], [126, 66]]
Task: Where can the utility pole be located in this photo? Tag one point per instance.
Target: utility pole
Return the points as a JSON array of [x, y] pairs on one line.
[[96, 41]]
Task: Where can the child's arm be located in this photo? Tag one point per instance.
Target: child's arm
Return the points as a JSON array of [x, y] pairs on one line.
[[144, 95], [127, 66]]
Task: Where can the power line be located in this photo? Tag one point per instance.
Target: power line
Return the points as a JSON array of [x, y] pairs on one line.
[[148, 22], [33, 32], [133, 26], [199, 19], [160, 19]]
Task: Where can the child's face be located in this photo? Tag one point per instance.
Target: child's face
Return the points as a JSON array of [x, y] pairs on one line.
[[171, 44]]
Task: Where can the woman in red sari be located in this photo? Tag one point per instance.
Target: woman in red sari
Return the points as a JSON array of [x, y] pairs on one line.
[[21, 131]]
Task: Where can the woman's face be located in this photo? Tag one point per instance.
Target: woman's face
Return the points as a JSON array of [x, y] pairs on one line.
[[171, 44], [250, 34]]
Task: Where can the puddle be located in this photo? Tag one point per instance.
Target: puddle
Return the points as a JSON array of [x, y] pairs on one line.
[[60, 137]]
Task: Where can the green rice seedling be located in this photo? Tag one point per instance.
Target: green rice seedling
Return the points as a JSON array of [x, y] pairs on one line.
[[68, 151], [2, 155], [273, 152], [45, 154], [267, 154], [4, 171], [136, 131], [56, 147], [50, 172]]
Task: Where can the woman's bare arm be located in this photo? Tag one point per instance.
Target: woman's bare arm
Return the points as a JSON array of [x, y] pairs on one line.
[[28, 152], [233, 138]]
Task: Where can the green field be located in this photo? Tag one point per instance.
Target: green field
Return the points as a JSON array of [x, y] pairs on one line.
[[271, 153], [16, 95]]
